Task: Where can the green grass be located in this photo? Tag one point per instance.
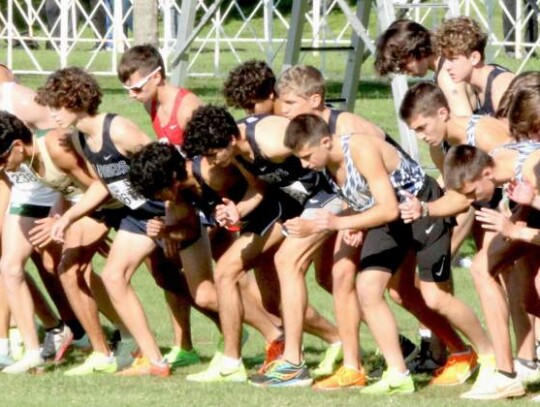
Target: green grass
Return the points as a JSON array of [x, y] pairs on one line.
[[53, 389]]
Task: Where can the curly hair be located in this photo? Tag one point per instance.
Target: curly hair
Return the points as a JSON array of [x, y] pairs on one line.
[[155, 167], [524, 113], [210, 127], [461, 36], [303, 81], [71, 88], [423, 98], [11, 129], [402, 41], [521, 81], [249, 83], [145, 58]]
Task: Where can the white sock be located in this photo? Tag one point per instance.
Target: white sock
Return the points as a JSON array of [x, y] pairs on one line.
[[32, 354], [424, 333], [4, 346], [335, 344], [230, 363]]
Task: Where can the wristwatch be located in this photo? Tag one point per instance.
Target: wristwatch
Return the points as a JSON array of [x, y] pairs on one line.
[[425, 209]]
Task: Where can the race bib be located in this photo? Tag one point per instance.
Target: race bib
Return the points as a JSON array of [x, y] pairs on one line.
[[122, 191]]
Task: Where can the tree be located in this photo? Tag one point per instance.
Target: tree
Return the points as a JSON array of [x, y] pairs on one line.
[[145, 23]]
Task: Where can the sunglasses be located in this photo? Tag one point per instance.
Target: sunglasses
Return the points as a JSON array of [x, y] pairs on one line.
[[5, 155], [138, 87]]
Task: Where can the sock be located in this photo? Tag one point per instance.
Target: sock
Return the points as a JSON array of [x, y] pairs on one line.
[[531, 364], [33, 353], [294, 364], [4, 346], [335, 344], [507, 374], [76, 328], [351, 367], [57, 327], [425, 334], [230, 363]]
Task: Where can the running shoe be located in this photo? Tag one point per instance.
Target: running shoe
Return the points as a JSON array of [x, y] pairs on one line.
[[458, 368], [217, 373], [344, 378], [281, 373], [495, 386], [527, 371], [142, 366], [178, 357], [274, 350], [125, 352], [97, 362], [29, 362], [6, 360], [56, 342], [392, 382], [332, 358]]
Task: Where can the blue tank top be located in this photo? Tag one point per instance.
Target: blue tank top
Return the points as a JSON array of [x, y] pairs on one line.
[[289, 176], [487, 108], [112, 167]]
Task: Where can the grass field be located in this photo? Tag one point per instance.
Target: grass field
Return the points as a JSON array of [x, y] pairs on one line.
[[53, 389]]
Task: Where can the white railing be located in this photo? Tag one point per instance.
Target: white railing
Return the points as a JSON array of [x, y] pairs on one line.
[[66, 32]]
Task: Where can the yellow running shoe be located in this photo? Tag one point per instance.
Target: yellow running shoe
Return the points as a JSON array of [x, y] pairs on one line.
[[142, 366], [458, 368], [344, 378]]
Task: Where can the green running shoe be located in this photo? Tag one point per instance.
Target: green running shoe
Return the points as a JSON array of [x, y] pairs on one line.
[[178, 357], [392, 382], [330, 363], [216, 373], [95, 363]]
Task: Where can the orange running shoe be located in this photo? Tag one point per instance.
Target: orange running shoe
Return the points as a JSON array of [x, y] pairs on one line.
[[274, 350], [458, 368], [344, 378], [142, 366]]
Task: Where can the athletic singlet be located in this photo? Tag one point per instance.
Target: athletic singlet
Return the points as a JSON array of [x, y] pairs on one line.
[[437, 70], [289, 176], [112, 167], [408, 176], [210, 198], [26, 188], [53, 177], [524, 149], [471, 130], [487, 108], [172, 130]]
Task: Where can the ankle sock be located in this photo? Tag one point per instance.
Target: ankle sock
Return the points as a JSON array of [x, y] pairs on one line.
[[512, 375]]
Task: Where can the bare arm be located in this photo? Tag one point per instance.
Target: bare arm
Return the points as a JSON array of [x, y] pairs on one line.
[[456, 94], [127, 137]]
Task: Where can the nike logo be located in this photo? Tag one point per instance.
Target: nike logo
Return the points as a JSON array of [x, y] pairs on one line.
[[174, 126], [430, 228], [439, 273], [262, 168], [227, 374], [313, 201], [107, 157]]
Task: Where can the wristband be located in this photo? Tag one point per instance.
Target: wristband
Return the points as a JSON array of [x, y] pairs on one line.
[[425, 209]]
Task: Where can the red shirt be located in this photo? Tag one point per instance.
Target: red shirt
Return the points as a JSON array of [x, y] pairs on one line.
[[172, 130]]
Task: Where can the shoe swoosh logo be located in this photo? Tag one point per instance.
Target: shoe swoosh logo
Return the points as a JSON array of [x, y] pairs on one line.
[[227, 374]]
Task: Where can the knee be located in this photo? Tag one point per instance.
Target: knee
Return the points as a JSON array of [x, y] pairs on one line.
[[287, 263], [435, 298], [366, 294], [226, 275], [11, 271], [204, 298], [342, 280], [114, 279]]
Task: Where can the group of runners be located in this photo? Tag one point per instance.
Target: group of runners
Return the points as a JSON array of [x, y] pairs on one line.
[[295, 183]]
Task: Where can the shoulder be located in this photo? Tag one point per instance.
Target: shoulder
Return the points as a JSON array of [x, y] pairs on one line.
[[127, 135], [269, 134], [348, 122]]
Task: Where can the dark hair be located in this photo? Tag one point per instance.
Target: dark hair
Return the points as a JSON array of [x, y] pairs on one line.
[[524, 113], [11, 129], [423, 98], [305, 129], [249, 83], [464, 163], [71, 88], [461, 36], [155, 167], [210, 127], [402, 41], [145, 58], [521, 81]]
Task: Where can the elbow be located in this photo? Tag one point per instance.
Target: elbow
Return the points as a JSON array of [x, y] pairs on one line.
[[391, 213]]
